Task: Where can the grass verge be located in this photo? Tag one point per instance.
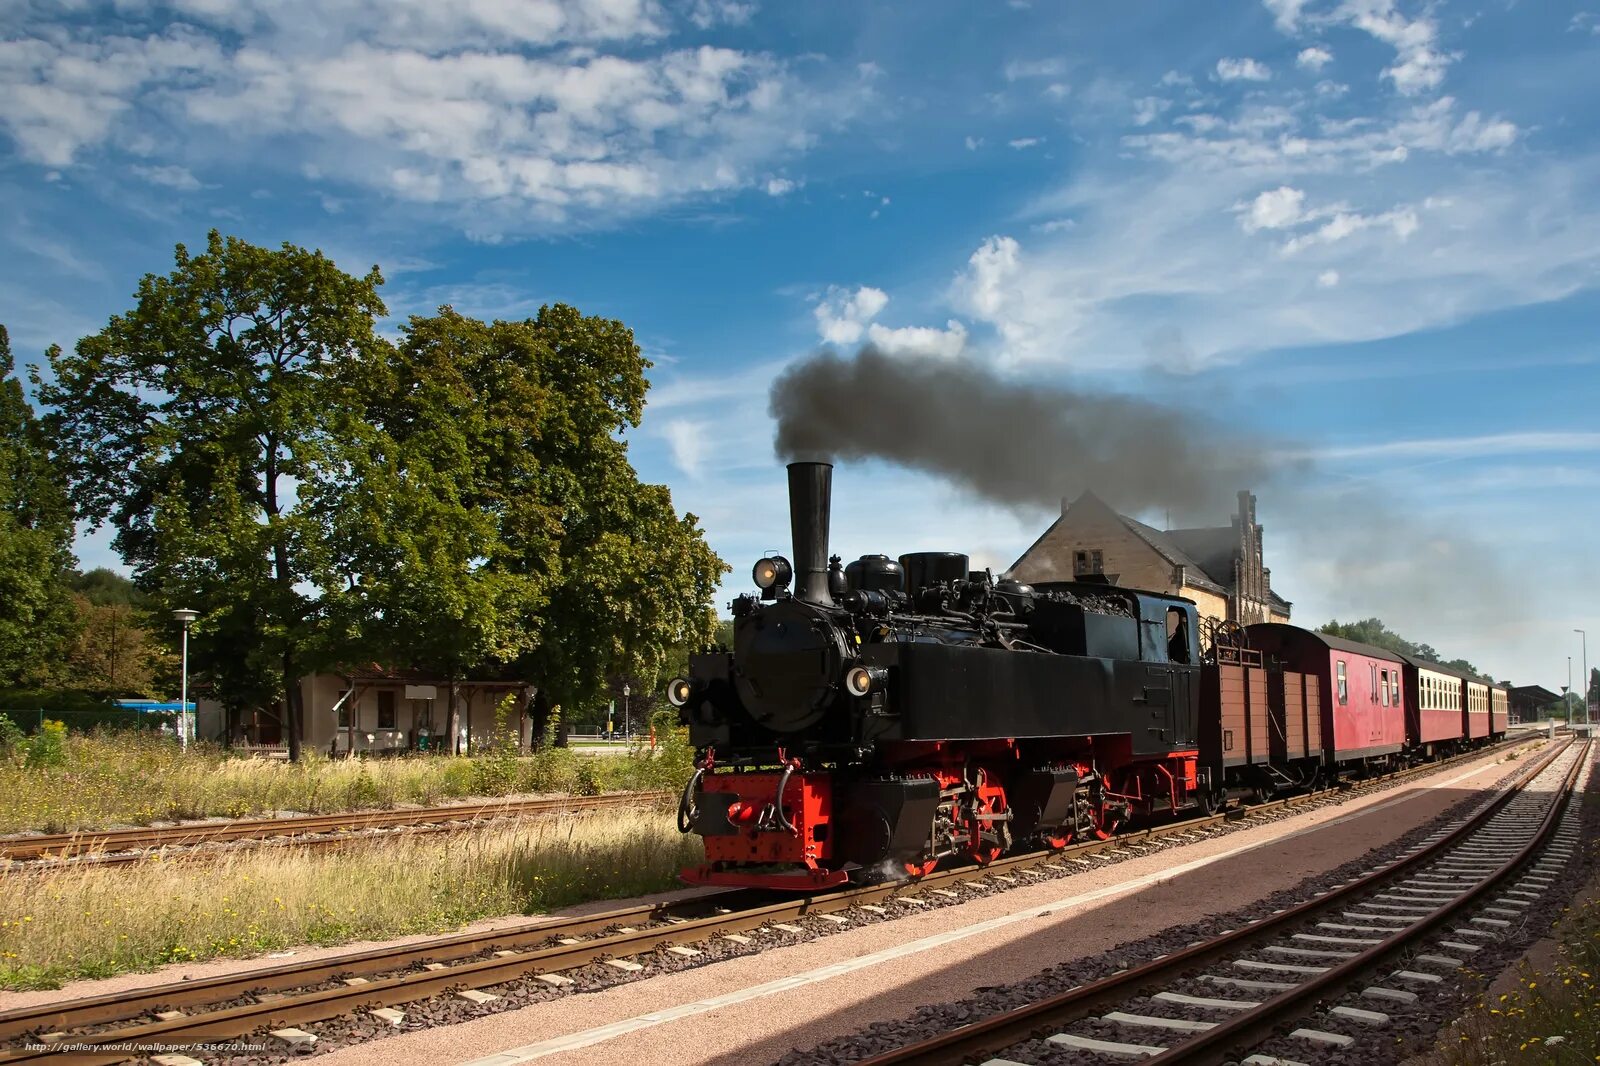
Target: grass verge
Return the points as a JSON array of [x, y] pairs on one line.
[[128, 778], [88, 922]]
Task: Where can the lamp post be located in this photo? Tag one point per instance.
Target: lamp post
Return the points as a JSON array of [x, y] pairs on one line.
[[1584, 677], [626, 727], [184, 616]]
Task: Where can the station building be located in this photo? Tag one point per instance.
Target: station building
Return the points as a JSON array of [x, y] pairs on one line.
[[374, 709], [1220, 568]]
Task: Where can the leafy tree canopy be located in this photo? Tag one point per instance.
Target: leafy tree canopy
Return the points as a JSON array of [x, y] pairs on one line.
[[192, 420], [1373, 631], [493, 516], [104, 587], [37, 621]]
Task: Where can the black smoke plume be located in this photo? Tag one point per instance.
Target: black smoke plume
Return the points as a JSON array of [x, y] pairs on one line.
[[1019, 444]]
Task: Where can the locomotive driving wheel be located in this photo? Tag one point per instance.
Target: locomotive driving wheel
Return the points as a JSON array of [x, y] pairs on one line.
[[988, 821]]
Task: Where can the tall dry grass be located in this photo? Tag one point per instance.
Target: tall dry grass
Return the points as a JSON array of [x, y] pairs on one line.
[[132, 778], [93, 922]]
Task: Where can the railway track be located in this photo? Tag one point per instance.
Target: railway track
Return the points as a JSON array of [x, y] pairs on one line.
[[283, 998], [132, 845], [1328, 972]]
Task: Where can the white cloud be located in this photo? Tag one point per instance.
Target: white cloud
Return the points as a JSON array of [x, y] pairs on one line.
[[842, 315], [1025, 142], [708, 13], [172, 177], [989, 273], [1022, 69], [1242, 70], [1327, 279], [1402, 221], [1286, 13], [1485, 445], [1055, 225], [1420, 62], [1313, 58], [1147, 109], [510, 113], [925, 341], [687, 440], [1274, 209], [780, 186], [1173, 78], [974, 143]]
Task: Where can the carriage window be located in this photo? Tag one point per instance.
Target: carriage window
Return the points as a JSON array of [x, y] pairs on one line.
[[1385, 687], [1177, 635], [1394, 687], [1372, 685], [1344, 685]]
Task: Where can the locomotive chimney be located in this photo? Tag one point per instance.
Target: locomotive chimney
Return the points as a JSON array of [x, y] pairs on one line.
[[810, 491]]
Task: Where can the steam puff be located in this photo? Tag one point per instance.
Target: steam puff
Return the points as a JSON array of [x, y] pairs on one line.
[[1018, 444]]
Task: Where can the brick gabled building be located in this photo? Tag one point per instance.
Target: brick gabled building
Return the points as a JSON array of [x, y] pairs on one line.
[[1221, 568]]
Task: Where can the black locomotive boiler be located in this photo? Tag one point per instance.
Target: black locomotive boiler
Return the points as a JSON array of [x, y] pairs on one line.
[[892, 713]]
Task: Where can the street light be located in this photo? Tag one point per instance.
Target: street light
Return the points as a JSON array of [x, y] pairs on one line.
[[184, 616], [1584, 677], [626, 691]]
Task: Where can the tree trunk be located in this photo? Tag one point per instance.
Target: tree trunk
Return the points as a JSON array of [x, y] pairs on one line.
[[540, 710], [453, 718], [291, 706]]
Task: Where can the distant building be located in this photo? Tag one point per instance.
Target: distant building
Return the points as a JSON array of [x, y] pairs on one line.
[[1220, 568], [1529, 703], [373, 709]]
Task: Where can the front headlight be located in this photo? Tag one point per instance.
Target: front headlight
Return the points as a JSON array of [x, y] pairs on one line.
[[863, 680], [771, 572], [679, 690]]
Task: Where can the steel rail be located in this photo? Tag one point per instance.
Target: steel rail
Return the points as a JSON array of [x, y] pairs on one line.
[[316, 1006], [988, 1036], [1253, 1026], [64, 845]]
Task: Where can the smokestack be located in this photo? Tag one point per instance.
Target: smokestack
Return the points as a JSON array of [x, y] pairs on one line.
[[810, 501]]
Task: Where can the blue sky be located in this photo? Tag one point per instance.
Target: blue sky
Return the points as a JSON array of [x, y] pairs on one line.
[[1366, 230]]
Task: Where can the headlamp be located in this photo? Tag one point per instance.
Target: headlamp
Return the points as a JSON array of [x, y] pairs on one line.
[[773, 572], [863, 680], [679, 689]]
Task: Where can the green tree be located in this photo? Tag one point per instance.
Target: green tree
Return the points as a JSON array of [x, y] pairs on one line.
[[1373, 631], [194, 422], [441, 508], [38, 620], [103, 587], [511, 525], [634, 577]]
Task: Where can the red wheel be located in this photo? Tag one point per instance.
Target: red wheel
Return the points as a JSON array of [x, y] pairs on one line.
[[1056, 843], [920, 869]]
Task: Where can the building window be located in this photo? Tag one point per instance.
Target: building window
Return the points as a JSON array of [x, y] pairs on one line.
[[344, 708], [1085, 563], [386, 709], [1344, 685]]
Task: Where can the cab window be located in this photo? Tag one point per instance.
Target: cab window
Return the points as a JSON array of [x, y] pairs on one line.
[[1343, 684]]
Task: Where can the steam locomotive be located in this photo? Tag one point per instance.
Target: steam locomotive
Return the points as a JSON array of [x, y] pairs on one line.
[[879, 718]]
